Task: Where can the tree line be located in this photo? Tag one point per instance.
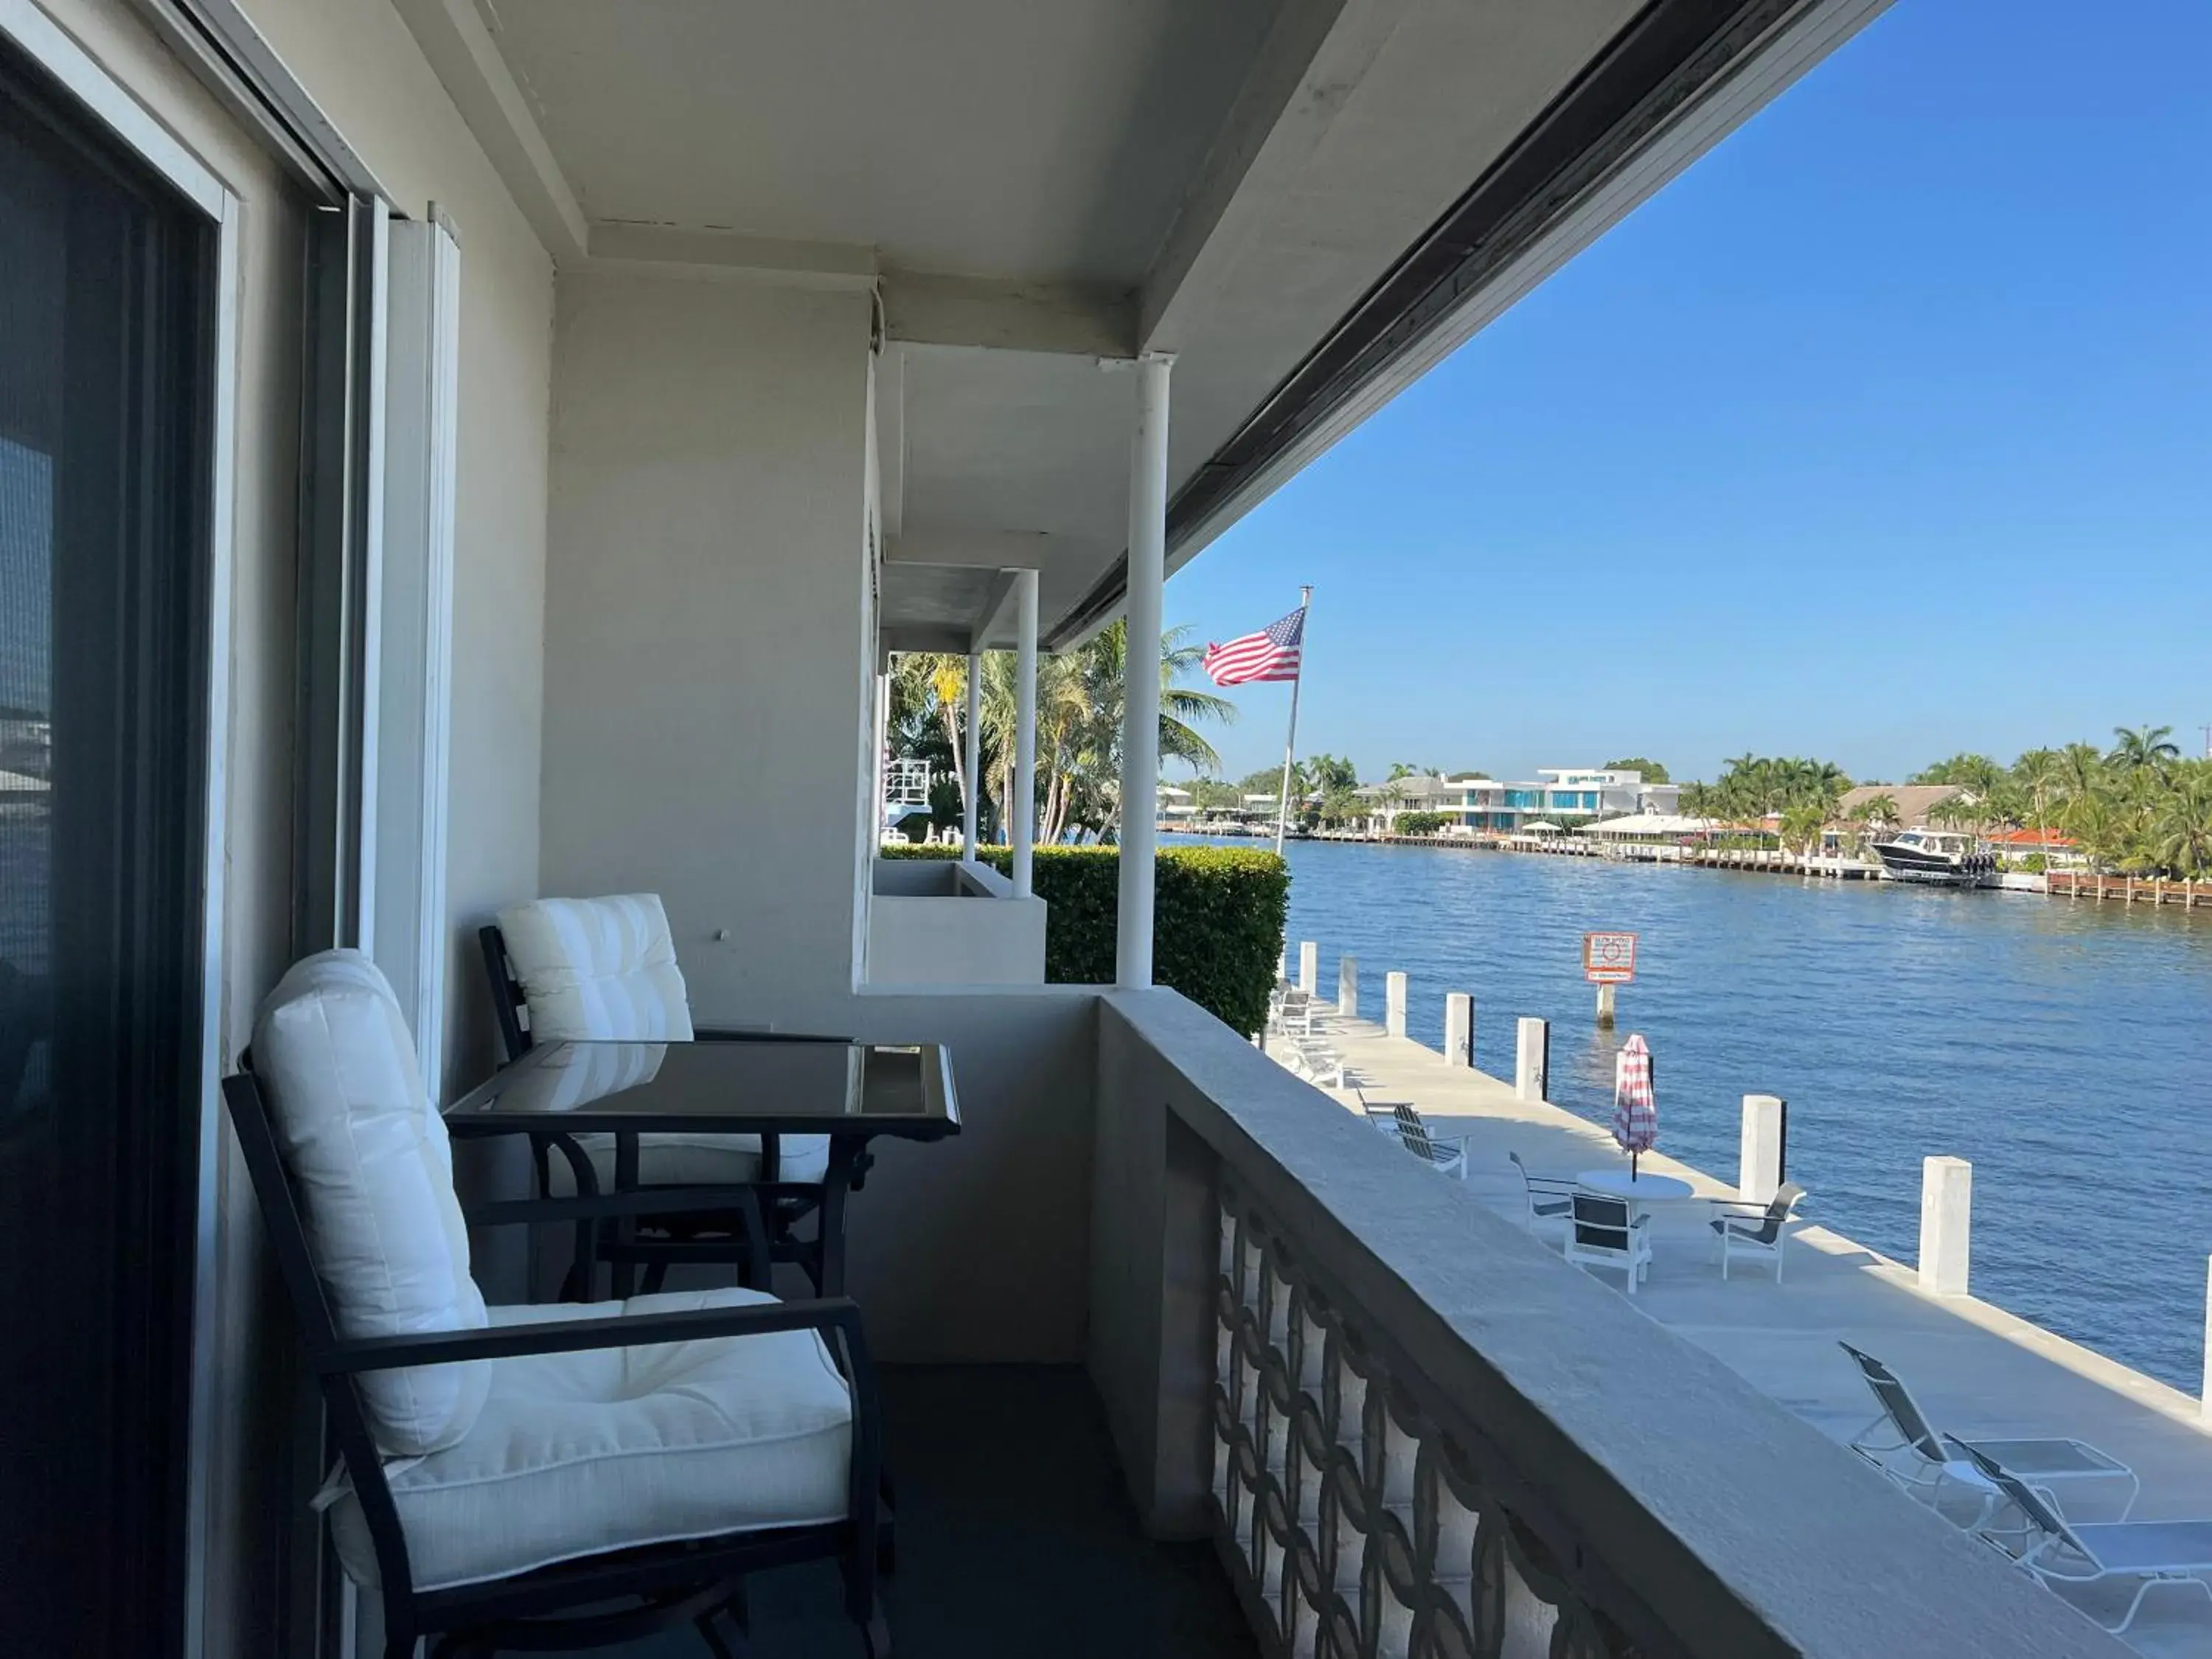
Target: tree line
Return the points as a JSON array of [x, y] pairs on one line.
[[2138, 806]]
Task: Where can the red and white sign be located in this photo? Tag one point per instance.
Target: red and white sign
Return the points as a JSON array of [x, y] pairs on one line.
[[1608, 958]]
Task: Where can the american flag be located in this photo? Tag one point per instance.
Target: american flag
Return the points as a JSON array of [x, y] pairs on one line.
[[1270, 654]]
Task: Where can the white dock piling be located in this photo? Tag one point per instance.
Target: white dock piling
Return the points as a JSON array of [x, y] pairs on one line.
[[1347, 986], [1459, 1027], [1394, 1004], [1532, 1057], [1605, 1004], [1309, 967], [2207, 1339], [1765, 1118], [1947, 1212]]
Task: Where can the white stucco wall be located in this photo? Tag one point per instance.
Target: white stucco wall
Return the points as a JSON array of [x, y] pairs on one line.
[[707, 608]]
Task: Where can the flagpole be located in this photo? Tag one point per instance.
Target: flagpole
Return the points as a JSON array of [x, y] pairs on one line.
[[1291, 741]]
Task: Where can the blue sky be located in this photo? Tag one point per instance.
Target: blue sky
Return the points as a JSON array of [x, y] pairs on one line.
[[1884, 432]]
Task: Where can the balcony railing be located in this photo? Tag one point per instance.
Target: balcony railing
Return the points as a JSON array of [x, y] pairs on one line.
[[1412, 1431]]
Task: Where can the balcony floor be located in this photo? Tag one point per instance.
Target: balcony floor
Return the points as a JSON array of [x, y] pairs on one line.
[[1016, 1536]]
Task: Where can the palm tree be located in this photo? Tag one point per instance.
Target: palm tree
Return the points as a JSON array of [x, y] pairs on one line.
[[1094, 766], [934, 683], [1802, 824], [2134, 748], [2039, 774], [1876, 810], [2181, 824]]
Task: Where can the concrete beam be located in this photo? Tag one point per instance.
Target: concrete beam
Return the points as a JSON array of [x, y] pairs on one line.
[[973, 313], [925, 636], [724, 254], [467, 62], [998, 550], [1313, 59], [987, 620]]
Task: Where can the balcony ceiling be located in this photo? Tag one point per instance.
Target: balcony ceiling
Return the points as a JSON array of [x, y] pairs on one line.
[[1033, 188], [981, 137]]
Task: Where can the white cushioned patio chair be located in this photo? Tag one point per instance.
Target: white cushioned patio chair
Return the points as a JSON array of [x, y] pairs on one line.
[[605, 969], [527, 1477]]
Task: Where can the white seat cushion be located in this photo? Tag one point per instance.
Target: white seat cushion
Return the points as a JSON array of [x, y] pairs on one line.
[[598, 968], [369, 1157], [697, 1160], [577, 1454]]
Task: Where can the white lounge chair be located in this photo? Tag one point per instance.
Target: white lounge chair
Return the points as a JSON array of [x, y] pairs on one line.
[[1445, 1154], [2069, 1557], [1315, 1060], [1293, 1012], [1746, 1230], [1609, 1232], [1936, 1464]]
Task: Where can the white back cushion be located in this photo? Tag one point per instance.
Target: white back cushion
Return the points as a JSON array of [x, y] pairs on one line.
[[369, 1158], [601, 969]]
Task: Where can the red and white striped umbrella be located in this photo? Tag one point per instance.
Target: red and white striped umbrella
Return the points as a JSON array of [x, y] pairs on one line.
[[1635, 1111]]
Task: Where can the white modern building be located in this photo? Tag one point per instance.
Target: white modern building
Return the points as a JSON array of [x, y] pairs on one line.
[[495, 450], [1474, 804]]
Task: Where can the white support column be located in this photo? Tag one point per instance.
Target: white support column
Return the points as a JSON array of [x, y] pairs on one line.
[[1309, 966], [971, 757], [1946, 1216], [1347, 986], [883, 762], [1141, 697], [1021, 810], [1758, 1168], [1458, 1028], [1532, 1057], [1394, 1004]]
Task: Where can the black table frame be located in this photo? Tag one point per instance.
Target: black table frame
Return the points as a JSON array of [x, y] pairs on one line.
[[743, 1209]]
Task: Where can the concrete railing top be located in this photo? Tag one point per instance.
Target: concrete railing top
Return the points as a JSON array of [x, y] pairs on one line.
[[937, 878], [1694, 1514]]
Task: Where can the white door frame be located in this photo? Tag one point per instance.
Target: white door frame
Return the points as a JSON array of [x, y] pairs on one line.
[[108, 103]]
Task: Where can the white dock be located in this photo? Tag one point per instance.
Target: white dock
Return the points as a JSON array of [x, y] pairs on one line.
[[1978, 1371]]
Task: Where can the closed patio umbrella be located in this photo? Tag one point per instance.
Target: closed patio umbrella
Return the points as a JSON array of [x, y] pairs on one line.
[[1635, 1110]]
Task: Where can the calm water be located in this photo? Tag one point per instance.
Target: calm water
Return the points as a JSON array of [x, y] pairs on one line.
[[2062, 1047]]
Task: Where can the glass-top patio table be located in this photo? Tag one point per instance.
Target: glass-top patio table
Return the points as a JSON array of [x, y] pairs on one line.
[[851, 1092]]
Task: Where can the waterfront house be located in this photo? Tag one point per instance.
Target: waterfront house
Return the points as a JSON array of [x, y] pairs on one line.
[[541, 422], [1475, 804], [1914, 801]]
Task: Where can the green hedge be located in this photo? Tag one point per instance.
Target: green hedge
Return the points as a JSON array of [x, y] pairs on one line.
[[1420, 824], [1218, 924]]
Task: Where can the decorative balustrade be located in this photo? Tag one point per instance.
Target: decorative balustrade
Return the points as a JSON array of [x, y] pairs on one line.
[[1355, 1527], [1414, 1433]]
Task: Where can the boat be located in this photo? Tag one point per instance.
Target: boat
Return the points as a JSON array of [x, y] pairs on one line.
[[1937, 858]]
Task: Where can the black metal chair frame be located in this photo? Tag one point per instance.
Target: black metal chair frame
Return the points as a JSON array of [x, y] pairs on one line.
[[698, 1581], [716, 1236]]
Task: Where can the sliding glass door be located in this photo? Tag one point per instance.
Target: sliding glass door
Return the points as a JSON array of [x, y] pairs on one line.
[[107, 296]]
